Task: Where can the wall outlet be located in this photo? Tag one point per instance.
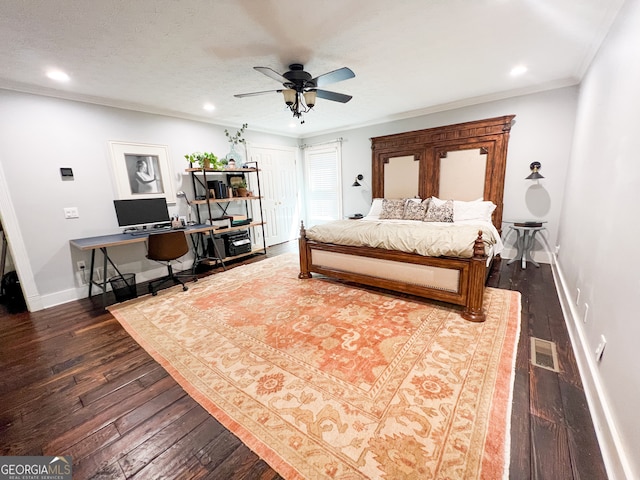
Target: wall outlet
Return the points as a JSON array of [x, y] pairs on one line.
[[83, 278], [586, 312], [81, 265], [577, 296], [557, 249], [98, 274], [600, 348], [71, 212]]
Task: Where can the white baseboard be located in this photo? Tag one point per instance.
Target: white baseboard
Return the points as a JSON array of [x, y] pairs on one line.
[[71, 294], [613, 450]]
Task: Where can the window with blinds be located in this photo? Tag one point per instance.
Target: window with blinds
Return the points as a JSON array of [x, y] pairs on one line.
[[322, 178]]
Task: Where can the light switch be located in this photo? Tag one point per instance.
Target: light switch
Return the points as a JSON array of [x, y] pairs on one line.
[[71, 212]]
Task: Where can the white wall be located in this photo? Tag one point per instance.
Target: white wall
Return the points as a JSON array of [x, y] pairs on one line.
[[542, 132], [598, 236], [38, 135], [595, 228]]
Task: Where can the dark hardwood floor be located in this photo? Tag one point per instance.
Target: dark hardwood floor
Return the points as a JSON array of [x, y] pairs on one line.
[[73, 382]]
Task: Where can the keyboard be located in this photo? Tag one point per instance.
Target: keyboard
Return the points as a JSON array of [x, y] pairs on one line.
[[150, 231]]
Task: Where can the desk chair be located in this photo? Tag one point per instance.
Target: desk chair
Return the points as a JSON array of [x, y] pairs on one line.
[[164, 248]]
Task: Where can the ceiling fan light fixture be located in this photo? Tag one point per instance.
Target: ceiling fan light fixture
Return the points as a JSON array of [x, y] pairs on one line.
[[301, 89], [299, 102], [310, 98], [289, 96]]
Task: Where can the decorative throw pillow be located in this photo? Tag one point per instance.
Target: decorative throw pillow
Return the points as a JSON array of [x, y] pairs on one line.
[[440, 213], [392, 208], [415, 209]]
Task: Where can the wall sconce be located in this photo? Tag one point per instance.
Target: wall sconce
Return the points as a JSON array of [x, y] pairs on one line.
[[356, 183], [535, 166]]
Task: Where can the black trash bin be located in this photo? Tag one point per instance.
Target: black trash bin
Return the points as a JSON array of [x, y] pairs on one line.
[[11, 293], [124, 286]]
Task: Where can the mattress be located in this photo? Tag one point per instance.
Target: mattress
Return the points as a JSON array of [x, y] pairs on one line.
[[432, 239]]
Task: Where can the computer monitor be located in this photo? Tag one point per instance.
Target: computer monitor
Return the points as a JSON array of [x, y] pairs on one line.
[[141, 212]]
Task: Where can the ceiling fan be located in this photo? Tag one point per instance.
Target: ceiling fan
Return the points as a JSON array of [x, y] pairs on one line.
[[301, 89]]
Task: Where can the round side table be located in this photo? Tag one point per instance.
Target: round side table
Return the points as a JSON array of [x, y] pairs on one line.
[[525, 239]]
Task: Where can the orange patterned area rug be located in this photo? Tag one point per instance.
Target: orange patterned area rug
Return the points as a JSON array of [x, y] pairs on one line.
[[326, 380]]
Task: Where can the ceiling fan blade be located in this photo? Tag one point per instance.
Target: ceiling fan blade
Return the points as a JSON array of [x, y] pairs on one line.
[[271, 73], [339, 75], [253, 94], [333, 96]]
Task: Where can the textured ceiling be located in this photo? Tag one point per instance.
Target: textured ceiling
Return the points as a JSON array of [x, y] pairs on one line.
[[409, 56]]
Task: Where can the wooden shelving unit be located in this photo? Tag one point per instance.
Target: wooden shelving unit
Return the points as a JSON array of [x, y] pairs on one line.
[[226, 170], [224, 200], [199, 178], [219, 231], [214, 262]]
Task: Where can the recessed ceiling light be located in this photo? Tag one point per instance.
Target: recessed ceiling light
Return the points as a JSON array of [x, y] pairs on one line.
[[209, 107], [518, 70], [58, 76]]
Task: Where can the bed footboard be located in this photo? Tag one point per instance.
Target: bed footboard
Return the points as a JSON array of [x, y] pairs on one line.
[[453, 280], [477, 278], [305, 254]]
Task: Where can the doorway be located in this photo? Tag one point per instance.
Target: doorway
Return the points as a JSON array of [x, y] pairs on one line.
[[279, 185], [16, 247]]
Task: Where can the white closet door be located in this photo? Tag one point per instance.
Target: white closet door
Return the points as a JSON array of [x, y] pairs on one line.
[[279, 185]]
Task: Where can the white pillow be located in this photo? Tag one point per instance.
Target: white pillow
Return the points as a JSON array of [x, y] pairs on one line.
[[376, 208], [473, 210], [437, 201], [476, 210]]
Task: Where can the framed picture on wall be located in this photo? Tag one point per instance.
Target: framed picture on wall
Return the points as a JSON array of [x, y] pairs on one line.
[[142, 171]]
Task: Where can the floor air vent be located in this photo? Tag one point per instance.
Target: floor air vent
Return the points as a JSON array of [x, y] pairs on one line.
[[544, 354]]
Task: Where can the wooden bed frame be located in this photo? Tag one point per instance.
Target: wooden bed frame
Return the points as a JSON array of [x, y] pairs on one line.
[[428, 147]]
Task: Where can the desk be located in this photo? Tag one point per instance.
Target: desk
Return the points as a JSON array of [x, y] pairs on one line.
[[102, 242], [525, 240]]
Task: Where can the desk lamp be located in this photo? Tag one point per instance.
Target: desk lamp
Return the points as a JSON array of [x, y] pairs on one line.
[[181, 194]]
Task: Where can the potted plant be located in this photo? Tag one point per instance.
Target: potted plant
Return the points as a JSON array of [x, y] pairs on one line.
[[204, 159], [237, 138], [234, 140], [240, 189]]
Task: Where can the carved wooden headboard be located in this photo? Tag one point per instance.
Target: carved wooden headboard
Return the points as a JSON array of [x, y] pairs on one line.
[[464, 161]]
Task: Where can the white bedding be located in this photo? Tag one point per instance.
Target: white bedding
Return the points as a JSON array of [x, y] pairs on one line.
[[433, 239]]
